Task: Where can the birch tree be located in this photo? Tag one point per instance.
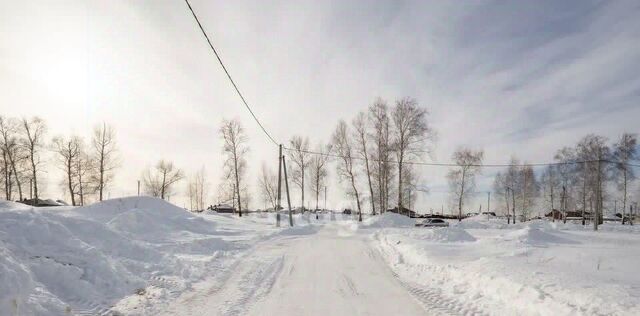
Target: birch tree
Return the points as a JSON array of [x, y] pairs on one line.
[[500, 189], [462, 179], [529, 190], [360, 129], [12, 156], [83, 167], [197, 190], [68, 152], [318, 170], [594, 151], [235, 150], [410, 134], [33, 141], [104, 155], [346, 169], [268, 184], [160, 181], [624, 152], [567, 172], [382, 151], [299, 155]]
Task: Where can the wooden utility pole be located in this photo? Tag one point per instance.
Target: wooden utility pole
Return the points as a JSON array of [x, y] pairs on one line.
[[513, 195], [286, 184], [138, 187], [563, 203], [325, 197], [488, 201], [597, 210], [278, 207]]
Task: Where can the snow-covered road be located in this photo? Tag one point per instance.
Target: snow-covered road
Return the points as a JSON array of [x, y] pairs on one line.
[[331, 272]]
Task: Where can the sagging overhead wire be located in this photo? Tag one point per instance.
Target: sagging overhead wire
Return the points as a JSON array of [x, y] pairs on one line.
[[436, 164], [215, 52]]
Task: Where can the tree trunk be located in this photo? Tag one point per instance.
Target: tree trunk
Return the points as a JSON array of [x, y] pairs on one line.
[[461, 195], [353, 185], [35, 176], [235, 166], [400, 208], [15, 175], [513, 205], [624, 198], [70, 183]]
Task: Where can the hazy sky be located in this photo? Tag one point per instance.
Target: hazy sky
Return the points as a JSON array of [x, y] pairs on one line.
[[511, 77]]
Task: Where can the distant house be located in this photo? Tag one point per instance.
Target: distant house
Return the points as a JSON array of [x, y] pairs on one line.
[[404, 211], [555, 214], [222, 208], [43, 203]]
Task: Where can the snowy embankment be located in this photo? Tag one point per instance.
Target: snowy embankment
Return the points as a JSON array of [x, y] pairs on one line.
[[63, 260], [535, 268]]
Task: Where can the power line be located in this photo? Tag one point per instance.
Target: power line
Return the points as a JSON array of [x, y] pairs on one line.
[[436, 164], [228, 75]]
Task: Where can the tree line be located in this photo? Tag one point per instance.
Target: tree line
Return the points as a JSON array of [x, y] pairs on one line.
[[582, 179], [88, 167], [376, 147]]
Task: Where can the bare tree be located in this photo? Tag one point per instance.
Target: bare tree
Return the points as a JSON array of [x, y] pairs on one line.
[[411, 132], [83, 167], [12, 156], [410, 186], [360, 129], [382, 152], [500, 189], [624, 151], [159, 181], [318, 170], [346, 169], [566, 173], [529, 190], [462, 179], [196, 189], [301, 159], [268, 184], [68, 151], [104, 151], [551, 187], [594, 151], [235, 149], [33, 141], [512, 183]]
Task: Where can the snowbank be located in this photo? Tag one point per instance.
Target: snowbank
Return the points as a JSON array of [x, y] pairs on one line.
[[86, 259], [535, 235], [481, 222], [442, 234], [533, 268], [388, 219]]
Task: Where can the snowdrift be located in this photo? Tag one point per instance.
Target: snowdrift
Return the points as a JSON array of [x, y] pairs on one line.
[[536, 236], [88, 258], [481, 222], [388, 219]]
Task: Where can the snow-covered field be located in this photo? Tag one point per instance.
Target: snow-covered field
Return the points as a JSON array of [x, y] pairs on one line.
[[143, 256], [535, 268]]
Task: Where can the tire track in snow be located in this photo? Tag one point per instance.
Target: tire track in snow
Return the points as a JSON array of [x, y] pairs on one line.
[[432, 299], [253, 285]]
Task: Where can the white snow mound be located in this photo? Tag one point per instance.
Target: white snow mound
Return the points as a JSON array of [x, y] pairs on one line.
[[534, 235], [388, 219], [88, 258]]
